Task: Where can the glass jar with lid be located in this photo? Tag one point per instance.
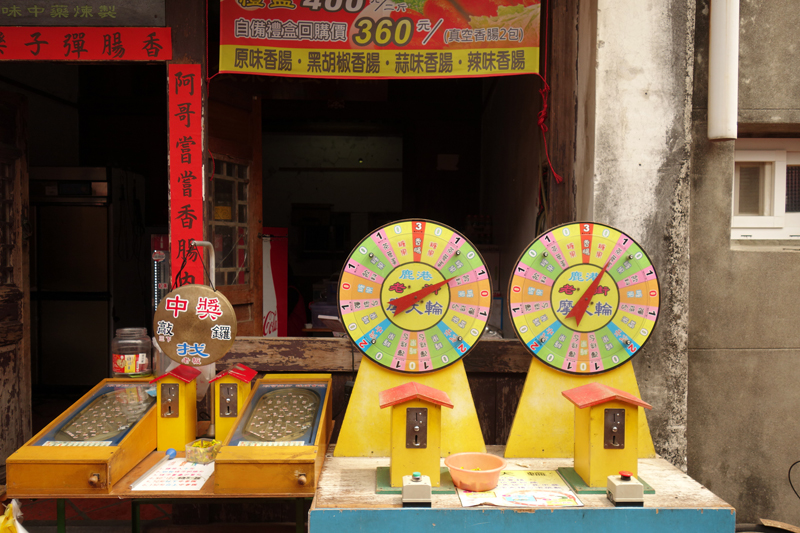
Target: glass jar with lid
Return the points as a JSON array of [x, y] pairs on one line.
[[131, 353]]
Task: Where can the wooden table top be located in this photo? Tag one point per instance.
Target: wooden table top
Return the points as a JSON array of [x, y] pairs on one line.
[[349, 483], [122, 490]]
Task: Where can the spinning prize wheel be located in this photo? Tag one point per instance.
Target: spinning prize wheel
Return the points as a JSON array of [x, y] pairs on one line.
[[414, 296], [584, 298]]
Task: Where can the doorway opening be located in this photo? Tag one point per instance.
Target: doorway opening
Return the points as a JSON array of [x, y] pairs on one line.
[[97, 166]]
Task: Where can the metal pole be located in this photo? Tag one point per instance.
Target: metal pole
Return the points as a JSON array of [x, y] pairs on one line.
[[61, 515], [136, 520], [211, 260], [212, 429]]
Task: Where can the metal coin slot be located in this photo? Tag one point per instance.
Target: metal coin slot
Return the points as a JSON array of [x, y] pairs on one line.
[[228, 400], [417, 427], [614, 429], [169, 400]]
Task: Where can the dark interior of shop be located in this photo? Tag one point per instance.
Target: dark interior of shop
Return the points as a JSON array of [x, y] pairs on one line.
[[339, 159], [381, 148], [396, 142]]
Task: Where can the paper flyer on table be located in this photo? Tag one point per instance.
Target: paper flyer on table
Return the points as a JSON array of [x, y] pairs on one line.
[[177, 474], [524, 488]]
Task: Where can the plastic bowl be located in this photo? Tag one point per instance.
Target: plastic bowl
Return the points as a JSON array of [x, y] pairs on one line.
[[465, 476]]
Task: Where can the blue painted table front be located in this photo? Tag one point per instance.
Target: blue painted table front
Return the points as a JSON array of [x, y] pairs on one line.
[[346, 502]]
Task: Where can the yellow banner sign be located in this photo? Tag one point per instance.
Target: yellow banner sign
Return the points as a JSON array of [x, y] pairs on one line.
[[380, 39]]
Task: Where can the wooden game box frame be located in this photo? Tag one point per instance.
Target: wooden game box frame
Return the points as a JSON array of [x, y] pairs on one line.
[[34, 471], [275, 470]]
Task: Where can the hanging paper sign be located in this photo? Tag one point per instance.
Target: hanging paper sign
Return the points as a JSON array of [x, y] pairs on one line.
[[185, 172], [195, 325], [379, 38], [39, 43]]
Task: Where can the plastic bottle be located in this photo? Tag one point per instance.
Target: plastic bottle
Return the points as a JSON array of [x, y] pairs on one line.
[[131, 351]]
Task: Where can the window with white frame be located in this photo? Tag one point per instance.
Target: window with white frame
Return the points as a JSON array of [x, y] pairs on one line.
[[766, 190]]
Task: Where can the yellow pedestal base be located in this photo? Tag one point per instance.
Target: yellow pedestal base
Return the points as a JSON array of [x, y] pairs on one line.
[[544, 424], [593, 462], [423, 460], [180, 429], [366, 430]]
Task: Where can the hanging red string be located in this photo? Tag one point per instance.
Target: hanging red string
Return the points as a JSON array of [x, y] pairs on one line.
[[545, 92]]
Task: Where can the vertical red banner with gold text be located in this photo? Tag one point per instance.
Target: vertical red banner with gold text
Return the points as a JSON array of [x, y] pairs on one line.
[[185, 172]]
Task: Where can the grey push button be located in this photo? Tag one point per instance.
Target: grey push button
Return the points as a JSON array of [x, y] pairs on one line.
[[625, 490], [416, 490]]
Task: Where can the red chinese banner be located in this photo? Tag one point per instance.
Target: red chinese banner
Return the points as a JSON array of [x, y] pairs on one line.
[[57, 43], [380, 38], [185, 172]]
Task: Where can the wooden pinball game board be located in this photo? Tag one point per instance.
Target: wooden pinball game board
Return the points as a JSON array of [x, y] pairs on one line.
[[90, 446], [282, 416], [107, 417], [279, 440]]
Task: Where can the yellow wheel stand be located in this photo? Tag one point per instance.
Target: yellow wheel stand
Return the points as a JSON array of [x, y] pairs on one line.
[[366, 429], [544, 424]]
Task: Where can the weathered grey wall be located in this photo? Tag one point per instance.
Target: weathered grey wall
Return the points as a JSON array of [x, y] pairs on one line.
[[640, 175], [768, 54], [743, 328]]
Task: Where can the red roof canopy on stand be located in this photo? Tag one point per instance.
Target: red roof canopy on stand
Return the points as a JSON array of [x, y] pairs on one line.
[[411, 391], [239, 371], [597, 393], [182, 372]]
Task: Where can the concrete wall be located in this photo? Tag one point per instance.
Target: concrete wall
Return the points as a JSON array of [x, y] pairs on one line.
[[640, 176], [625, 106], [743, 306], [768, 51]]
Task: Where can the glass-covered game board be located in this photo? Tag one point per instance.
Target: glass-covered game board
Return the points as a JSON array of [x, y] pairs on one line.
[[281, 415], [104, 418]]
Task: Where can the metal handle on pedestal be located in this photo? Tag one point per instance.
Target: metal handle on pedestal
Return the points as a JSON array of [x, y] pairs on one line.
[[212, 429], [211, 260]]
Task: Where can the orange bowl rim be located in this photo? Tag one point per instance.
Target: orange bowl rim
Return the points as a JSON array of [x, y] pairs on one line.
[[463, 454]]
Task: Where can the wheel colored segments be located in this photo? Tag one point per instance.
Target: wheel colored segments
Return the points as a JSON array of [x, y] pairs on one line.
[[584, 298], [445, 287]]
